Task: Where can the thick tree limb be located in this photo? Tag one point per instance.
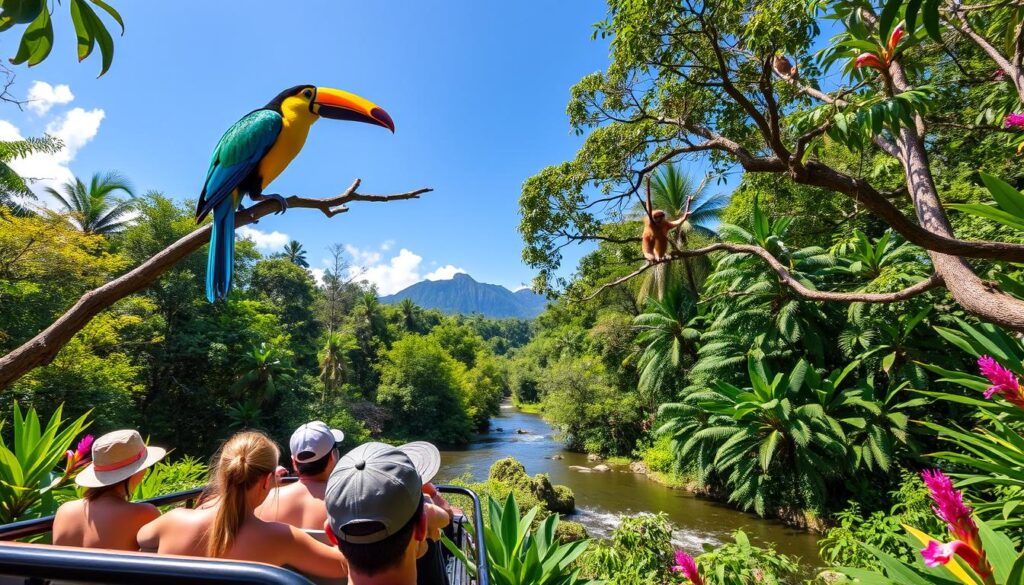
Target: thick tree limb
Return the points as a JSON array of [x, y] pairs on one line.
[[41, 349], [785, 277]]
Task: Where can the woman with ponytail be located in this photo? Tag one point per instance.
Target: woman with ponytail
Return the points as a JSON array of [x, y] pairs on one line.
[[226, 527]]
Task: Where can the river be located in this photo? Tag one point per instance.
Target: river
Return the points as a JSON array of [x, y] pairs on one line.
[[603, 498]]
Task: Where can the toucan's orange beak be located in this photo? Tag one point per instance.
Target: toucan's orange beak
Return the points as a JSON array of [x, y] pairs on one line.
[[342, 105]]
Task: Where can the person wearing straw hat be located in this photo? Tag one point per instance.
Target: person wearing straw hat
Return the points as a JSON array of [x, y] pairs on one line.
[[301, 504], [106, 517]]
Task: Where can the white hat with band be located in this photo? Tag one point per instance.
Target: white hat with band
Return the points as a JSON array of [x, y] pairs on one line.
[[116, 456]]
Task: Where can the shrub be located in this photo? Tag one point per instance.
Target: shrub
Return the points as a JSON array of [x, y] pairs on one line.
[[639, 552], [520, 555]]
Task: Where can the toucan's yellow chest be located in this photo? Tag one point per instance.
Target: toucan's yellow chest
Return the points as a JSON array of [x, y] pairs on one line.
[[288, 144]]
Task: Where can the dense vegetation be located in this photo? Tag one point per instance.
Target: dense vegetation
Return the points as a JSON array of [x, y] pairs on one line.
[[282, 350]]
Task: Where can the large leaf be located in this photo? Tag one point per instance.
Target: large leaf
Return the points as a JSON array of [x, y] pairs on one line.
[[36, 42], [1009, 199]]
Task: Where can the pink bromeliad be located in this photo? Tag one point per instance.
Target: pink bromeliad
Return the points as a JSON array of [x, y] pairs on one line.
[[80, 457], [1004, 382], [950, 507], [688, 567]]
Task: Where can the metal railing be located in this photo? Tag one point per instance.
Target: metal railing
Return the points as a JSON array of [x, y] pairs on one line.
[[82, 565]]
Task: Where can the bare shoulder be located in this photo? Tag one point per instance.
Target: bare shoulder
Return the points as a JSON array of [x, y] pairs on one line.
[[71, 507], [145, 512]]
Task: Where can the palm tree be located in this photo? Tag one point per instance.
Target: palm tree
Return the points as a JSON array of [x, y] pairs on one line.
[[410, 315], [671, 188], [335, 363], [295, 254], [12, 186], [93, 207], [668, 338]]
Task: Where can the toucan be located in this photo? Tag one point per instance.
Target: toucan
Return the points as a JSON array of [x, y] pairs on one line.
[[254, 151]]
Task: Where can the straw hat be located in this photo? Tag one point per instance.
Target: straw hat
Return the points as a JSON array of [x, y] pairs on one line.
[[116, 456]]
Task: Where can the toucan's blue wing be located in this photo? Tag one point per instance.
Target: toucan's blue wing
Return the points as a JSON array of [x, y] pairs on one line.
[[237, 154]]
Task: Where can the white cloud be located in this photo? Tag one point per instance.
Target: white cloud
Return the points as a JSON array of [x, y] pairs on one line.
[[395, 273], [75, 128], [446, 272], [318, 275], [42, 96], [265, 242]]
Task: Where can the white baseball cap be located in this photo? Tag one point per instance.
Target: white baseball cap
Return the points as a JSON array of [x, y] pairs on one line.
[[313, 440]]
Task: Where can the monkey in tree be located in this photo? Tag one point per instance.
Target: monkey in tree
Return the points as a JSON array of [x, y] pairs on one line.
[[657, 228], [783, 67]]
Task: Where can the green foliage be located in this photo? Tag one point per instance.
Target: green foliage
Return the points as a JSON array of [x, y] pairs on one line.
[[424, 390], [167, 478], [93, 207], [37, 39], [638, 553], [13, 188], [518, 554], [843, 544], [741, 563], [29, 478]]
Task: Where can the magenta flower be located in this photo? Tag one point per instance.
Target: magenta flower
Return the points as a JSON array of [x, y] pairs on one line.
[[1014, 120], [84, 448], [938, 553], [80, 456], [950, 507], [1004, 382], [688, 567]]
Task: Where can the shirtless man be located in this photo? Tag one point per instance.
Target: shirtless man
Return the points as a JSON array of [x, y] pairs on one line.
[[378, 515], [106, 517], [301, 504]]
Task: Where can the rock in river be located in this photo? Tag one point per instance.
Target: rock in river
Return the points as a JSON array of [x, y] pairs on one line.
[[601, 468]]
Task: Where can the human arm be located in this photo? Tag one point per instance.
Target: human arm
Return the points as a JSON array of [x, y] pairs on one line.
[[313, 557], [148, 536]]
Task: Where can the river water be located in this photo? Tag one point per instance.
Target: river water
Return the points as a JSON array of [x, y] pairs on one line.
[[603, 498]]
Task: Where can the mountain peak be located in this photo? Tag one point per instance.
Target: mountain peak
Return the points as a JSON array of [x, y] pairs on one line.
[[462, 294]]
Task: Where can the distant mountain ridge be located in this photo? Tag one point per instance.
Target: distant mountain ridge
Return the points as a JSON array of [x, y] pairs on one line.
[[464, 295]]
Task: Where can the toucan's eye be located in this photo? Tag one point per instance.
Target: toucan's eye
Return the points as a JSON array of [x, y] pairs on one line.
[[308, 93]]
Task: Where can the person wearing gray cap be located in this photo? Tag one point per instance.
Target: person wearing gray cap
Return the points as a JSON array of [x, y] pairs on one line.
[[378, 516], [314, 454]]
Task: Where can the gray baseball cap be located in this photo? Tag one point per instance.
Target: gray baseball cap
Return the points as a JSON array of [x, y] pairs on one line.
[[372, 493]]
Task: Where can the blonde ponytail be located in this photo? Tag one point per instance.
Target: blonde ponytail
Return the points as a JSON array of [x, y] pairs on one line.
[[244, 459]]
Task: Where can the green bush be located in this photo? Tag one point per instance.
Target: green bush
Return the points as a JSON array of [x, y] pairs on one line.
[[167, 478], [741, 563], [639, 553], [568, 531]]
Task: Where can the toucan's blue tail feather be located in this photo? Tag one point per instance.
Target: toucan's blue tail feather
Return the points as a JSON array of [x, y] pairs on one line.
[[220, 262]]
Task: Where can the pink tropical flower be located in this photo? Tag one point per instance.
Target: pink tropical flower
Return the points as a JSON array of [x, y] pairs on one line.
[[80, 456], [1014, 120], [1004, 382], [950, 507], [895, 37], [688, 567], [938, 553], [869, 60]]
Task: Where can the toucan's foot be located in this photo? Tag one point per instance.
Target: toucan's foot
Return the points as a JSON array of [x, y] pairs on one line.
[[281, 201]]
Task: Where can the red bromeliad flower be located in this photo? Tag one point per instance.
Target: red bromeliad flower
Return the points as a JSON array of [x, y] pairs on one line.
[[950, 507], [870, 60], [80, 456], [1004, 382], [894, 40], [688, 567], [1014, 120]]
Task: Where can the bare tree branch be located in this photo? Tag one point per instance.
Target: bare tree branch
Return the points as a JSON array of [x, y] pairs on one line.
[[41, 349]]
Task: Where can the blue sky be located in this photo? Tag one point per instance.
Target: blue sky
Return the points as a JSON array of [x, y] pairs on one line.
[[477, 91]]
